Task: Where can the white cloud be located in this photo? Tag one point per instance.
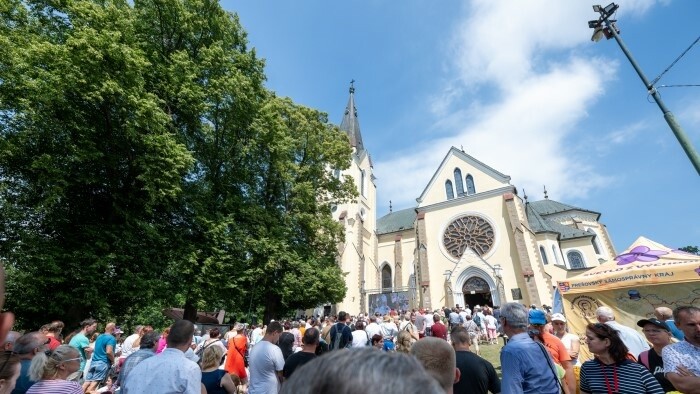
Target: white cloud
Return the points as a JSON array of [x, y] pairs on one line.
[[522, 63], [624, 134], [689, 116]]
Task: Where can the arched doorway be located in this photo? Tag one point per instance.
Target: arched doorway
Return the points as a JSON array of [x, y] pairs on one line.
[[477, 292]]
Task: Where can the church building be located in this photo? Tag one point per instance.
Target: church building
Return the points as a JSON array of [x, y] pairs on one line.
[[470, 239]]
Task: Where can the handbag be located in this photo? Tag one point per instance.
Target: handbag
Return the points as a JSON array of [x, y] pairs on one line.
[[245, 356]]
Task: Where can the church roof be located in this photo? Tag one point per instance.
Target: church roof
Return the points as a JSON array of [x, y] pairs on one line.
[[350, 124], [539, 224], [469, 159], [396, 221], [549, 207]]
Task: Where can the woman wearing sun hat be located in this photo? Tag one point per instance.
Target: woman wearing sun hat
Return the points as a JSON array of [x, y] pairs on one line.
[[659, 334]]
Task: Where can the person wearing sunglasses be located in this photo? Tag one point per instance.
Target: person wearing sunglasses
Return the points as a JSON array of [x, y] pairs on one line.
[[50, 369]]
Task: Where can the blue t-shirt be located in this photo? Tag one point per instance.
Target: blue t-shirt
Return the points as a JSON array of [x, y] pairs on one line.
[[100, 353], [80, 342], [23, 383]]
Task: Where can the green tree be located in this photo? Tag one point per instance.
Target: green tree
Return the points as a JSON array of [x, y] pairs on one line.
[[691, 249], [145, 164], [90, 170]]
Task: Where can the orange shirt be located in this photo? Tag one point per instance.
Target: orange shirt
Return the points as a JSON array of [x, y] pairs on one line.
[[556, 348]]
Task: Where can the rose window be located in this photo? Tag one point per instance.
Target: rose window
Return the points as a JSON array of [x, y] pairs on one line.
[[470, 232]]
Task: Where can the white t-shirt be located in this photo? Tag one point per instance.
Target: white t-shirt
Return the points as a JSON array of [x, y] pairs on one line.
[[128, 346], [490, 322], [389, 330], [567, 340], [360, 338], [463, 314], [373, 329], [265, 361]]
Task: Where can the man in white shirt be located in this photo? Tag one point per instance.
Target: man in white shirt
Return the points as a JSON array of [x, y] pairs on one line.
[[267, 362], [634, 340], [463, 314], [128, 345], [373, 328], [170, 371]]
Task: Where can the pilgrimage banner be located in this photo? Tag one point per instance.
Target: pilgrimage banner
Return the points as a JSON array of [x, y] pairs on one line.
[[630, 305]]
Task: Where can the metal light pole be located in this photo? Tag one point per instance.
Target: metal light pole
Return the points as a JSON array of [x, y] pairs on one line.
[[610, 31]]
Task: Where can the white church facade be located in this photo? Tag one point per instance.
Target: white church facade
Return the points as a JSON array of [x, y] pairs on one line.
[[470, 238]]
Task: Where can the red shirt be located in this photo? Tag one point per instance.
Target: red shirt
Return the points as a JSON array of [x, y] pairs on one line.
[[53, 343], [439, 330]]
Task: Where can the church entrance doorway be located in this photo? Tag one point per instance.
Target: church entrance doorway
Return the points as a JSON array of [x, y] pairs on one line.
[[476, 292]]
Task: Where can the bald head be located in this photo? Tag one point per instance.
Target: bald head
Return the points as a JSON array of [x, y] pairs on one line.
[[438, 358], [663, 313]]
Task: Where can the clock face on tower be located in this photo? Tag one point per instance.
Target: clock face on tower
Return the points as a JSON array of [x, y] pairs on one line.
[[471, 232]]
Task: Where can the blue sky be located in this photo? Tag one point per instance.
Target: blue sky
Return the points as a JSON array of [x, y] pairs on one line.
[[518, 84]]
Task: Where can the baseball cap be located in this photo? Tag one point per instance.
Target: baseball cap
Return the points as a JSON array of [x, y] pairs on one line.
[[536, 316], [558, 317], [656, 322]]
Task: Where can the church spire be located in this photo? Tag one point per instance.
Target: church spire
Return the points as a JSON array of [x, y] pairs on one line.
[[350, 124]]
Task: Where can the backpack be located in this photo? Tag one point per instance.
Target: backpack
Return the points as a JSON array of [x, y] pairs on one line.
[[338, 337], [644, 358], [477, 320], [200, 352]]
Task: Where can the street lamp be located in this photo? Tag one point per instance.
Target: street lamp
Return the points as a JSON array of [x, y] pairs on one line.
[[605, 27]]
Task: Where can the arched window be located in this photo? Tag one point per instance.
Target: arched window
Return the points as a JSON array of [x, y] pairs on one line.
[[544, 255], [575, 259], [386, 278], [597, 245], [596, 248], [458, 182], [470, 185], [448, 190], [362, 182], [556, 255]]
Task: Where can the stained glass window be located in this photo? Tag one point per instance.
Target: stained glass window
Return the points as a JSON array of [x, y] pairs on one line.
[[471, 232]]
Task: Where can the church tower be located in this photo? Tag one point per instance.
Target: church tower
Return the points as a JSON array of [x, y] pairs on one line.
[[357, 254]]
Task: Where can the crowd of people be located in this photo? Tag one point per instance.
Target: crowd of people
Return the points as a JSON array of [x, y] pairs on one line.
[[415, 351]]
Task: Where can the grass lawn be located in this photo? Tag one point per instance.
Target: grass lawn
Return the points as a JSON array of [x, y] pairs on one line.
[[492, 353]]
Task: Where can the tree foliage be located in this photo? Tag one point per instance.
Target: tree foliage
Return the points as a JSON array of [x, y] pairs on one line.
[[691, 249], [144, 163]]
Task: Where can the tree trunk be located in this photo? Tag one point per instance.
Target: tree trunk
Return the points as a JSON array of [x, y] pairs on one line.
[[271, 307], [190, 312]]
